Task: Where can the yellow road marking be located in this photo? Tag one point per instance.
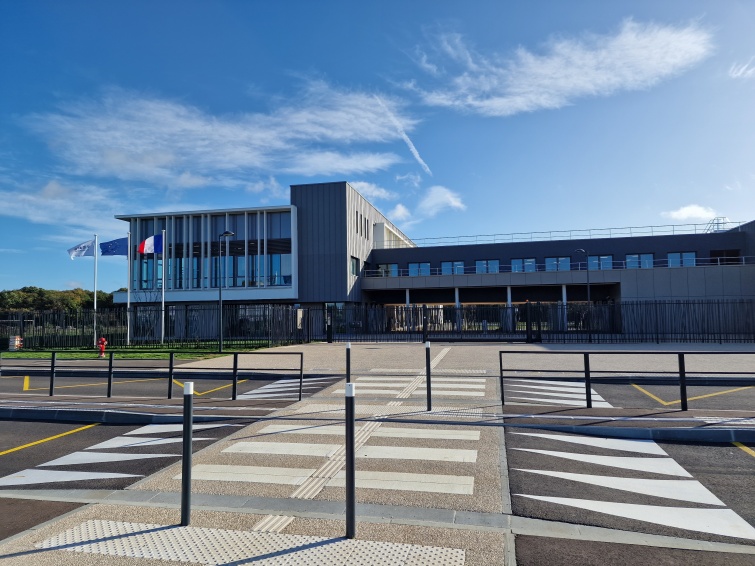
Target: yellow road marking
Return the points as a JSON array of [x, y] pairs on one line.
[[649, 394], [47, 439], [211, 390], [747, 449], [667, 403], [91, 384], [26, 383]]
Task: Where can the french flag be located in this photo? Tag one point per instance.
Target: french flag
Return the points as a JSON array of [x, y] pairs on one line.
[[152, 245]]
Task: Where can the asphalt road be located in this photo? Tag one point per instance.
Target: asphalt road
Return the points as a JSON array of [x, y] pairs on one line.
[[46, 455]]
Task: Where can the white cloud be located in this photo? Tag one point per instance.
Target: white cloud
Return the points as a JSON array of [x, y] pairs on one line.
[[411, 179], [170, 144], [691, 212], [437, 200], [742, 71], [372, 191], [269, 186], [399, 214], [636, 57]]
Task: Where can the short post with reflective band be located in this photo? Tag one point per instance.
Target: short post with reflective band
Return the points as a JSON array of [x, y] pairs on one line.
[[351, 495], [186, 463]]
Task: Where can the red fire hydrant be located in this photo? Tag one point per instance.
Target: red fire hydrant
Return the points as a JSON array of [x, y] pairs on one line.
[[101, 343]]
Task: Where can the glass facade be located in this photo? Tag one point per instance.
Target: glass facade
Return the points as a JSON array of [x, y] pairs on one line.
[[416, 269], [451, 267], [257, 255], [600, 262], [639, 261], [681, 259], [557, 263], [486, 266]]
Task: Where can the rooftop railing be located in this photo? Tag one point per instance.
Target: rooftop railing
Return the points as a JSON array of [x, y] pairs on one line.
[[715, 225]]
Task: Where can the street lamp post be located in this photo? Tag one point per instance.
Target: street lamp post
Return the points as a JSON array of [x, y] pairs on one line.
[[589, 303], [226, 234], [587, 266]]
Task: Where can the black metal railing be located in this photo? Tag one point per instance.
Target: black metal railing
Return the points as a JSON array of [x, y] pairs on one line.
[[251, 326]]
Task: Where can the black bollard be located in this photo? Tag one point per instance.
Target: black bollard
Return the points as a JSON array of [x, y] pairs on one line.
[[186, 463]]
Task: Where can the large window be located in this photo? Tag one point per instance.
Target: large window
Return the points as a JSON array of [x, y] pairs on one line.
[[388, 269], [452, 267], [681, 259], [557, 263], [599, 262], [639, 261], [416, 269], [486, 266], [279, 270], [526, 265]]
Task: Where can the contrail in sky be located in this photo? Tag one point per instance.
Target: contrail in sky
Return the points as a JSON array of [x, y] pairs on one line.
[[403, 135]]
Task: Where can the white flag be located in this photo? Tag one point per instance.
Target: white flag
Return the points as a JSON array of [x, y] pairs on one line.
[[83, 249]]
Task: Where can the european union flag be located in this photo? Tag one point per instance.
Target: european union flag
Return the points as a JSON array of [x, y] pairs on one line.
[[115, 247]]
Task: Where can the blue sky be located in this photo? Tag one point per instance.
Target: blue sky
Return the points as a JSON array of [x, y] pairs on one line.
[[453, 118]]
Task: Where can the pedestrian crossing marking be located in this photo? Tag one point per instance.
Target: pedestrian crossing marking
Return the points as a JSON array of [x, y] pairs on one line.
[[417, 453], [383, 431], [169, 428], [723, 522], [428, 483], [690, 490], [666, 466], [283, 448], [627, 445], [249, 474], [560, 395]]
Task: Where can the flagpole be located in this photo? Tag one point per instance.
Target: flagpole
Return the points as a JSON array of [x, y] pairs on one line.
[[95, 290], [162, 313], [128, 294]]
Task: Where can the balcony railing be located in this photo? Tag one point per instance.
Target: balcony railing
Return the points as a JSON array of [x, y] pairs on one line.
[[574, 266]]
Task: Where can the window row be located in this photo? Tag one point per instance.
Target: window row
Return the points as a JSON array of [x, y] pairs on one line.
[[530, 265]]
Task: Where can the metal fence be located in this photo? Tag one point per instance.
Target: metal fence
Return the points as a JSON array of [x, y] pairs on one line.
[[253, 325]]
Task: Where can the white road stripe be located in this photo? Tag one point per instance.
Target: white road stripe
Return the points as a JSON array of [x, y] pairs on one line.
[[417, 453], [137, 442], [283, 448]]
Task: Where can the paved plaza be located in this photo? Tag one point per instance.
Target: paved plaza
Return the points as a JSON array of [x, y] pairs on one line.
[[468, 483]]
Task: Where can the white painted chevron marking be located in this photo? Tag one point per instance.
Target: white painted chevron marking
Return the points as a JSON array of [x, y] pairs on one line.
[[665, 466], [569, 402], [560, 395], [683, 490], [168, 428], [137, 442], [78, 458], [574, 384], [723, 522], [537, 388], [641, 446], [34, 476]]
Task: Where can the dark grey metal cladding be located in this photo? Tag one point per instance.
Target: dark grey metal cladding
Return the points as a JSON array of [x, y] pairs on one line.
[[322, 233], [660, 246]]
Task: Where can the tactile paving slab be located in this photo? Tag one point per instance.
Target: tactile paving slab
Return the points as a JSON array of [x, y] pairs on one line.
[[218, 546]]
